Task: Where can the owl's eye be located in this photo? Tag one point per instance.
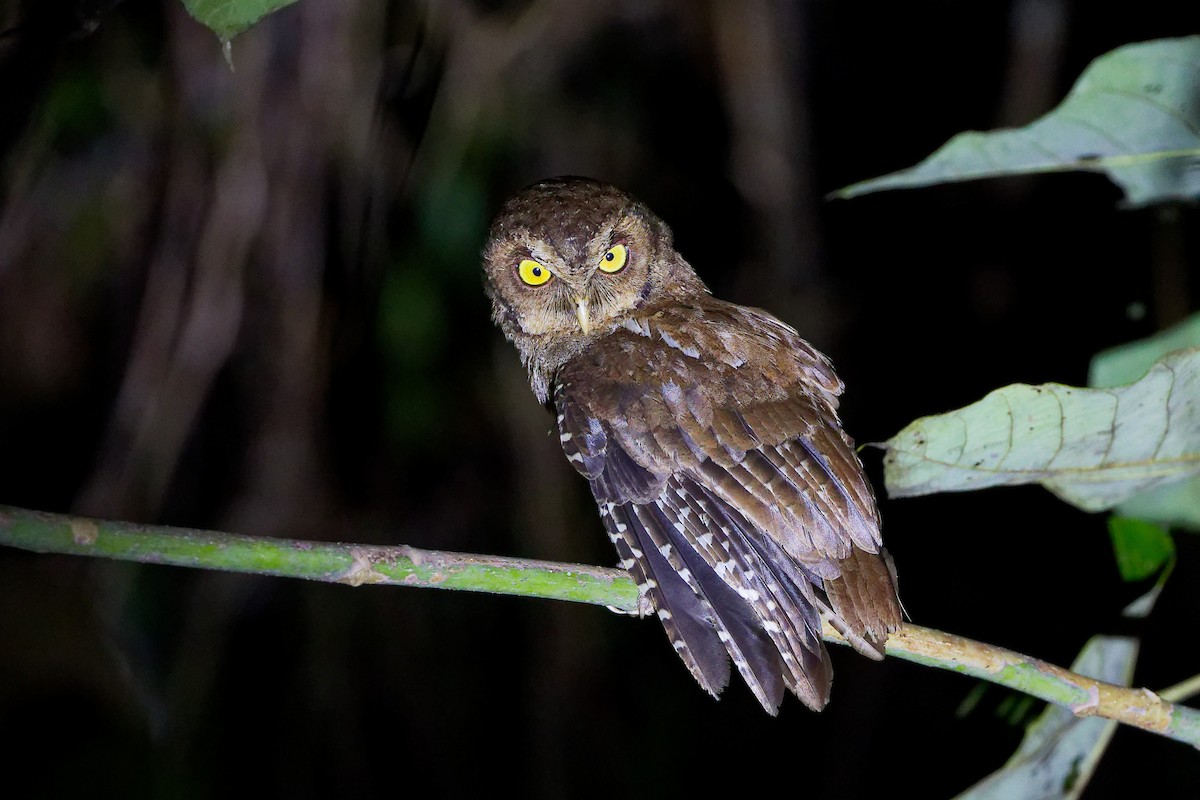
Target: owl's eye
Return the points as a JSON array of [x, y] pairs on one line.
[[614, 259], [532, 272]]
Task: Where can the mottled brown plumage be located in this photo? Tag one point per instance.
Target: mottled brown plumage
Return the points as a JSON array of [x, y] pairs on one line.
[[709, 434]]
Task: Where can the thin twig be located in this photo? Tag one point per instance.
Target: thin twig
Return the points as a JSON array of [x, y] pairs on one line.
[[356, 564]]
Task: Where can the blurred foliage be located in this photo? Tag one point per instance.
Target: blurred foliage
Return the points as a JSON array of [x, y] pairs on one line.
[[228, 18], [1060, 751], [1142, 548]]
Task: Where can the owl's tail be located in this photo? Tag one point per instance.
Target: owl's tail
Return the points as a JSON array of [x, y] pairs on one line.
[[723, 590]]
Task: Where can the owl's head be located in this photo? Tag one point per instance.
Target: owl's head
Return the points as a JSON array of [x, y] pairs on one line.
[[569, 259]]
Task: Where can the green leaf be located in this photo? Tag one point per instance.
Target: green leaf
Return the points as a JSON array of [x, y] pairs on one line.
[[1176, 505], [228, 18], [1094, 448], [1141, 547], [1128, 362], [1060, 751], [1134, 114]]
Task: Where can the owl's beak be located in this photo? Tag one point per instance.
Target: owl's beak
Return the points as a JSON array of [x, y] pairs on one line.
[[581, 312]]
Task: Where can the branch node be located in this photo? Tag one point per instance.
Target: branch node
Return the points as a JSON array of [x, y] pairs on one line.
[[1088, 707], [84, 532], [362, 570]]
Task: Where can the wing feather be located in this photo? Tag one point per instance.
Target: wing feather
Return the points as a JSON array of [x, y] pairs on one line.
[[734, 498]]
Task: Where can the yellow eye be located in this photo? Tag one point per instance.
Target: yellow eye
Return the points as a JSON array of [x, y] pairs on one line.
[[614, 259], [532, 272]]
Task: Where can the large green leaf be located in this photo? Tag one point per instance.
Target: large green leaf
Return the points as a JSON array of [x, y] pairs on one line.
[[1060, 751], [228, 18], [1178, 504], [1092, 447], [1134, 114]]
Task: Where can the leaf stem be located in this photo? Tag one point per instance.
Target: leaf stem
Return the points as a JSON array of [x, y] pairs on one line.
[[356, 564], [1182, 690]]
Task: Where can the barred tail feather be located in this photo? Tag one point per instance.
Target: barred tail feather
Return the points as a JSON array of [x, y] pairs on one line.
[[679, 608], [722, 591], [786, 600], [739, 627]]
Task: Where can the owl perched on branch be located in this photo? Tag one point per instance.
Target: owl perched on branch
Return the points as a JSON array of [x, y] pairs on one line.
[[709, 434]]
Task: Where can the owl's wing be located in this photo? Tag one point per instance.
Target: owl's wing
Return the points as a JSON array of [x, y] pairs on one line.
[[732, 495]]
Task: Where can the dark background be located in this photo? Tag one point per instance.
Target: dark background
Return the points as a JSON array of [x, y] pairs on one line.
[[250, 300]]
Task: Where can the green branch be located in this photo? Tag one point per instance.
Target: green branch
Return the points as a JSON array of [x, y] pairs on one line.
[[329, 562], [355, 564]]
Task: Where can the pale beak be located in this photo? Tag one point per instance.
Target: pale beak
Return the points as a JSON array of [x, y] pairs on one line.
[[581, 312]]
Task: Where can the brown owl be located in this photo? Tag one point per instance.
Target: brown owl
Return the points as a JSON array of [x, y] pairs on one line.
[[709, 434]]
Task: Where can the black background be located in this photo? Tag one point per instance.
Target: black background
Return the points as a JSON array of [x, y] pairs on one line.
[[250, 300]]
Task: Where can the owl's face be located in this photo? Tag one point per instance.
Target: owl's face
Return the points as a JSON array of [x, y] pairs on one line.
[[570, 258]]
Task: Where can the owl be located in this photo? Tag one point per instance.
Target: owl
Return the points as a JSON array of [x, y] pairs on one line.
[[709, 434]]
